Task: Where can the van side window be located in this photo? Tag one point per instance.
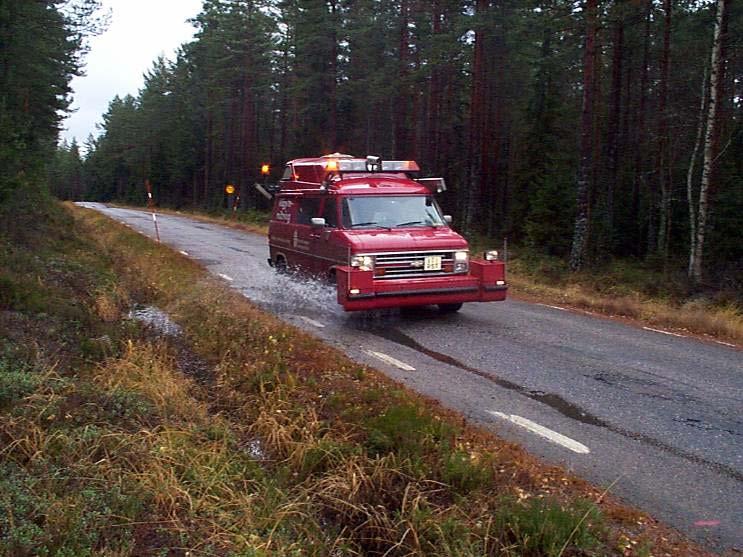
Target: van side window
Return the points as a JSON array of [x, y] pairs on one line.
[[309, 207], [287, 173], [330, 212]]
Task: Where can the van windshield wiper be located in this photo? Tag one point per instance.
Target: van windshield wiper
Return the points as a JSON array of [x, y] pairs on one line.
[[409, 223], [370, 223]]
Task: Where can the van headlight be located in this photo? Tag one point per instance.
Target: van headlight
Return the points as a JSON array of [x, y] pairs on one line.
[[461, 261], [363, 262]]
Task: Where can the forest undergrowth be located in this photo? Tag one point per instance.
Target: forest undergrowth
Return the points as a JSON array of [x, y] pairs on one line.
[[228, 432]]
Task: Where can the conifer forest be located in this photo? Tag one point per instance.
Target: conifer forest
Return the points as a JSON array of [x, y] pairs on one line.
[[583, 129]]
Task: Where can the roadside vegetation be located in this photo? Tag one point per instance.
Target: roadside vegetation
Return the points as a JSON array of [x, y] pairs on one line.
[[229, 432], [632, 290]]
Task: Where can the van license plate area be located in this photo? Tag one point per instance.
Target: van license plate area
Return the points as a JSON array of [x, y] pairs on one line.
[[432, 263]]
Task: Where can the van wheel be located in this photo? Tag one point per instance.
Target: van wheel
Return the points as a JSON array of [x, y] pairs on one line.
[[450, 308], [280, 265], [332, 279]]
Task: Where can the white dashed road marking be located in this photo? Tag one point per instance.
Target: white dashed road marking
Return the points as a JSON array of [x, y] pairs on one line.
[[311, 322], [390, 360], [725, 343], [669, 333], [226, 277], [547, 433], [552, 307]]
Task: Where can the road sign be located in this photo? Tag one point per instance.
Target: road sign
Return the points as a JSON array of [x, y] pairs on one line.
[[230, 189]]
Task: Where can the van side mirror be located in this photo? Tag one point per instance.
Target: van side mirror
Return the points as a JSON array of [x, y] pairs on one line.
[[317, 221], [447, 219]]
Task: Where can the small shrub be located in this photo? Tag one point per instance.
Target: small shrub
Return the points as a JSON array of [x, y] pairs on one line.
[[546, 529], [53, 519], [464, 472], [122, 404], [324, 455], [406, 430], [20, 296], [14, 385]]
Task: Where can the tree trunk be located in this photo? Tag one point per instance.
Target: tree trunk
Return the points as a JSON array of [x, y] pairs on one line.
[[434, 97], [639, 183], [585, 166], [710, 150], [477, 119], [612, 134], [690, 174], [663, 168], [284, 117], [332, 84], [402, 147], [207, 153]]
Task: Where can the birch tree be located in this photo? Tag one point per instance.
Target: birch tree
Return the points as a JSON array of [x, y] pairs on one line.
[[710, 147]]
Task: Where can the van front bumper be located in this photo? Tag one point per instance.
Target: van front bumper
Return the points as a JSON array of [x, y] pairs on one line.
[[358, 290]]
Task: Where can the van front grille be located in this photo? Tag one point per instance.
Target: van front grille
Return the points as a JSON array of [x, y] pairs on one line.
[[412, 264]]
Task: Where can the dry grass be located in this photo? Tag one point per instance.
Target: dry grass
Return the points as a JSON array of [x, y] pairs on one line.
[[150, 371], [111, 302], [694, 316]]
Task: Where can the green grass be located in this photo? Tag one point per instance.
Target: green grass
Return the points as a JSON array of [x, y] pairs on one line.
[[407, 430], [544, 528]]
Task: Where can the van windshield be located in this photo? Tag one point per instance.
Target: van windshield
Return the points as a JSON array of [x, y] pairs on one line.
[[390, 211]]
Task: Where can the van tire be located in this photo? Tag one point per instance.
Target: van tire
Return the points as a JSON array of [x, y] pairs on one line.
[[280, 265], [450, 308]]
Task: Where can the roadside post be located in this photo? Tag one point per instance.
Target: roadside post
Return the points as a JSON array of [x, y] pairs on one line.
[[151, 206], [232, 200]]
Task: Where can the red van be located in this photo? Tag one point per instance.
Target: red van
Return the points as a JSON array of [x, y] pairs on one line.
[[377, 232]]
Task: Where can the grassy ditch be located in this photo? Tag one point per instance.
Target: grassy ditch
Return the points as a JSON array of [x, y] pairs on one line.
[[239, 435]]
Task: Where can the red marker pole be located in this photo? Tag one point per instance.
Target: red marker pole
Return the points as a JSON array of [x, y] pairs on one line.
[[151, 205], [235, 205]]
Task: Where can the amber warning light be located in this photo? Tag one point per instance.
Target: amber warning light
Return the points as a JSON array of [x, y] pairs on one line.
[[265, 169]]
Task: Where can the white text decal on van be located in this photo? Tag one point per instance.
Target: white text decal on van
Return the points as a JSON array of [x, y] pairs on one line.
[[284, 213]]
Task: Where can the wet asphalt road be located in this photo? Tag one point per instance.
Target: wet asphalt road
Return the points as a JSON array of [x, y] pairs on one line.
[[660, 415]]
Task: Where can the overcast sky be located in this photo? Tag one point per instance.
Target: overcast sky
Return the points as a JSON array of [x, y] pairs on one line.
[[139, 32]]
